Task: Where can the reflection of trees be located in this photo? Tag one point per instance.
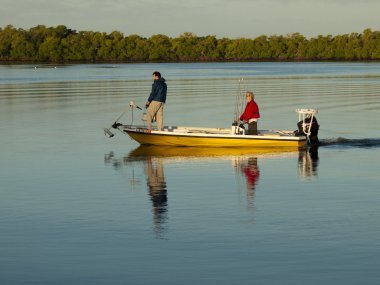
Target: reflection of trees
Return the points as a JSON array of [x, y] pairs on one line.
[[158, 194], [308, 163]]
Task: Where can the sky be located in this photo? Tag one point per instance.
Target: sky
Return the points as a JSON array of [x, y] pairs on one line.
[[221, 18]]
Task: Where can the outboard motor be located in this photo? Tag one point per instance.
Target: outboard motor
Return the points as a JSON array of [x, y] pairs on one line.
[[308, 126]]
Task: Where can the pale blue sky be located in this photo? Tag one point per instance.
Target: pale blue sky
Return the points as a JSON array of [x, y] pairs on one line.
[[222, 18]]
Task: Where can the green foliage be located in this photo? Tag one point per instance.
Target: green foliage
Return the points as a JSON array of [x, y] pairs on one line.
[[186, 47], [241, 49], [60, 44], [160, 47]]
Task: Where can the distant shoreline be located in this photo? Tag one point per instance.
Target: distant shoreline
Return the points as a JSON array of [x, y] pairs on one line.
[[200, 61], [61, 45]]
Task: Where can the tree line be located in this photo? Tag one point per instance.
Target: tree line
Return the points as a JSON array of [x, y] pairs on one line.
[[63, 45]]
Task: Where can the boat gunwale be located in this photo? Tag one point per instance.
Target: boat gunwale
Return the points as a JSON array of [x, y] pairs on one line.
[[278, 137]]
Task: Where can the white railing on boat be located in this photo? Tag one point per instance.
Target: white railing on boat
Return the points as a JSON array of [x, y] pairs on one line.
[[306, 116]]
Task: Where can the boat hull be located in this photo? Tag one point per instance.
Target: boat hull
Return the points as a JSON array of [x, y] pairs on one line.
[[147, 151], [162, 138]]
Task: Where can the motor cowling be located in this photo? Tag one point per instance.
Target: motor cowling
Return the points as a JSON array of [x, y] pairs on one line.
[[310, 129]]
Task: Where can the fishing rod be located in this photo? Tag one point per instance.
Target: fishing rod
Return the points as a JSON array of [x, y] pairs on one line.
[[239, 102], [242, 95]]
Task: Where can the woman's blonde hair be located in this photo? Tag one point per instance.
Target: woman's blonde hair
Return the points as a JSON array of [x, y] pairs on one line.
[[249, 94]]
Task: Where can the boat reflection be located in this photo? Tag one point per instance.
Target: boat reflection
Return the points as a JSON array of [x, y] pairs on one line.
[[155, 181], [245, 162], [308, 163], [144, 151], [249, 168]]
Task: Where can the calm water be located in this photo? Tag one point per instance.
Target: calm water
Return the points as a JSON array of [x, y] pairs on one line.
[[77, 207]]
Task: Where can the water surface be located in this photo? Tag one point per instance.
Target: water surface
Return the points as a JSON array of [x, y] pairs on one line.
[[78, 207]]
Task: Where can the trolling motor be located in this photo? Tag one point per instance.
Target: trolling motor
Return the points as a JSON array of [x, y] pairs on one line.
[[115, 125], [308, 126]]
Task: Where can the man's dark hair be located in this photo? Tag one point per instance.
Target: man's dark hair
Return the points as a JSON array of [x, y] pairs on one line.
[[156, 73]]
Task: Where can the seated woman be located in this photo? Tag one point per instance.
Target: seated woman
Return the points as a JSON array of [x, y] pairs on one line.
[[251, 114]]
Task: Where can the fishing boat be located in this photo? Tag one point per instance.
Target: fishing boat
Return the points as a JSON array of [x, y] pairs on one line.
[[234, 136]]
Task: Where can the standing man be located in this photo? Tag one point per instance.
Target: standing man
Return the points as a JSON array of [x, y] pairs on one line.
[[156, 101], [251, 114]]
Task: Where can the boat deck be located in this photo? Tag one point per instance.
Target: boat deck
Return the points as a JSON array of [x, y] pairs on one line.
[[209, 131], [212, 137]]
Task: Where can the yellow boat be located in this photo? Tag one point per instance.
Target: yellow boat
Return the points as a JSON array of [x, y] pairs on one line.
[[212, 137], [234, 136]]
